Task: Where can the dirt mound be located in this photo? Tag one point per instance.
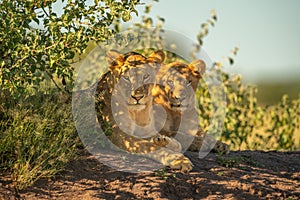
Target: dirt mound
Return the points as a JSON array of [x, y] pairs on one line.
[[240, 175]]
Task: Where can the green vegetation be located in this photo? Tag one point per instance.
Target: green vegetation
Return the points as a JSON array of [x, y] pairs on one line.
[[29, 55], [37, 132], [236, 161], [36, 125], [37, 138], [249, 125]]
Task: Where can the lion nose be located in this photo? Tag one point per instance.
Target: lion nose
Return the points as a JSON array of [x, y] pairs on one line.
[[180, 98], [137, 96]]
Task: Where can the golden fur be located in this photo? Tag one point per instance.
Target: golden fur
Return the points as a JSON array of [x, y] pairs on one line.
[[175, 91], [124, 101]]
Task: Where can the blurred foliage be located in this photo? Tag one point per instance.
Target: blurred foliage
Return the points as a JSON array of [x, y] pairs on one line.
[[272, 92], [247, 125]]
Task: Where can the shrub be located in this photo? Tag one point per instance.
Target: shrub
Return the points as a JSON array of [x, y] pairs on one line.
[[28, 54], [37, 131], [249, 125]]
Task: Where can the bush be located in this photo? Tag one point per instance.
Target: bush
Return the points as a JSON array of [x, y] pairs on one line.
[[29, 55], [37, 131], [249, 125]]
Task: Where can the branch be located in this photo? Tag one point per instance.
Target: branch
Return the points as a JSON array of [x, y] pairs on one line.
[[51, 77]]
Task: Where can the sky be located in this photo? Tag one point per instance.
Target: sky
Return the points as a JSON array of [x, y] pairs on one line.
[[267, 32]]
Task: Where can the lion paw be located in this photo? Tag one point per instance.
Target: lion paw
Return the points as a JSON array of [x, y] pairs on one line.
[[181, 163], [164, 141]]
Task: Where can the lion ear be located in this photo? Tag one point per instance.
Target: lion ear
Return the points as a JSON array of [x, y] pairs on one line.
[[114, 59], [157, 57], [198, 67]]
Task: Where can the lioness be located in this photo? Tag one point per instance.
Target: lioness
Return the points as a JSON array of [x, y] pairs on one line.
[[175, 91], [124, 102]]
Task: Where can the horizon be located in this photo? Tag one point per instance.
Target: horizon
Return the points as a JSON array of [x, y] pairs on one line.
[[268, 39]]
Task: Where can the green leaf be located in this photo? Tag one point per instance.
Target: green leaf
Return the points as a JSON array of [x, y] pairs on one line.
[[135, 11], [36, 20], [126, 16], [147, 9], [231, 61]]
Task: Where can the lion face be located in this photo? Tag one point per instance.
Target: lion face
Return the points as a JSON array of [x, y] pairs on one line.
[[178, 82], [134, 77]]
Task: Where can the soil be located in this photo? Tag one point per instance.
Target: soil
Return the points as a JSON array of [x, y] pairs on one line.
[[239, 175]]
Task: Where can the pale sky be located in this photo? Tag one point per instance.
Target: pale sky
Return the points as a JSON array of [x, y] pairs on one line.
[[267, 32]]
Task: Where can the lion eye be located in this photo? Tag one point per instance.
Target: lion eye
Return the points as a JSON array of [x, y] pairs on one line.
[[188, 83], [126, 78], [170, 83], [146, 76]]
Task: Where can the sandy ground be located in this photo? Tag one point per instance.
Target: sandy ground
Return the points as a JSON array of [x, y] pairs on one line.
[[240, 175]]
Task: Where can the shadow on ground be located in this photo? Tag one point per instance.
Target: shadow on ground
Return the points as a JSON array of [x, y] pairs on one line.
[[240, 175]]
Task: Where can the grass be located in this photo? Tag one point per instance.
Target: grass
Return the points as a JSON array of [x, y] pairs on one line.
[[37, 137], [230, 162]]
